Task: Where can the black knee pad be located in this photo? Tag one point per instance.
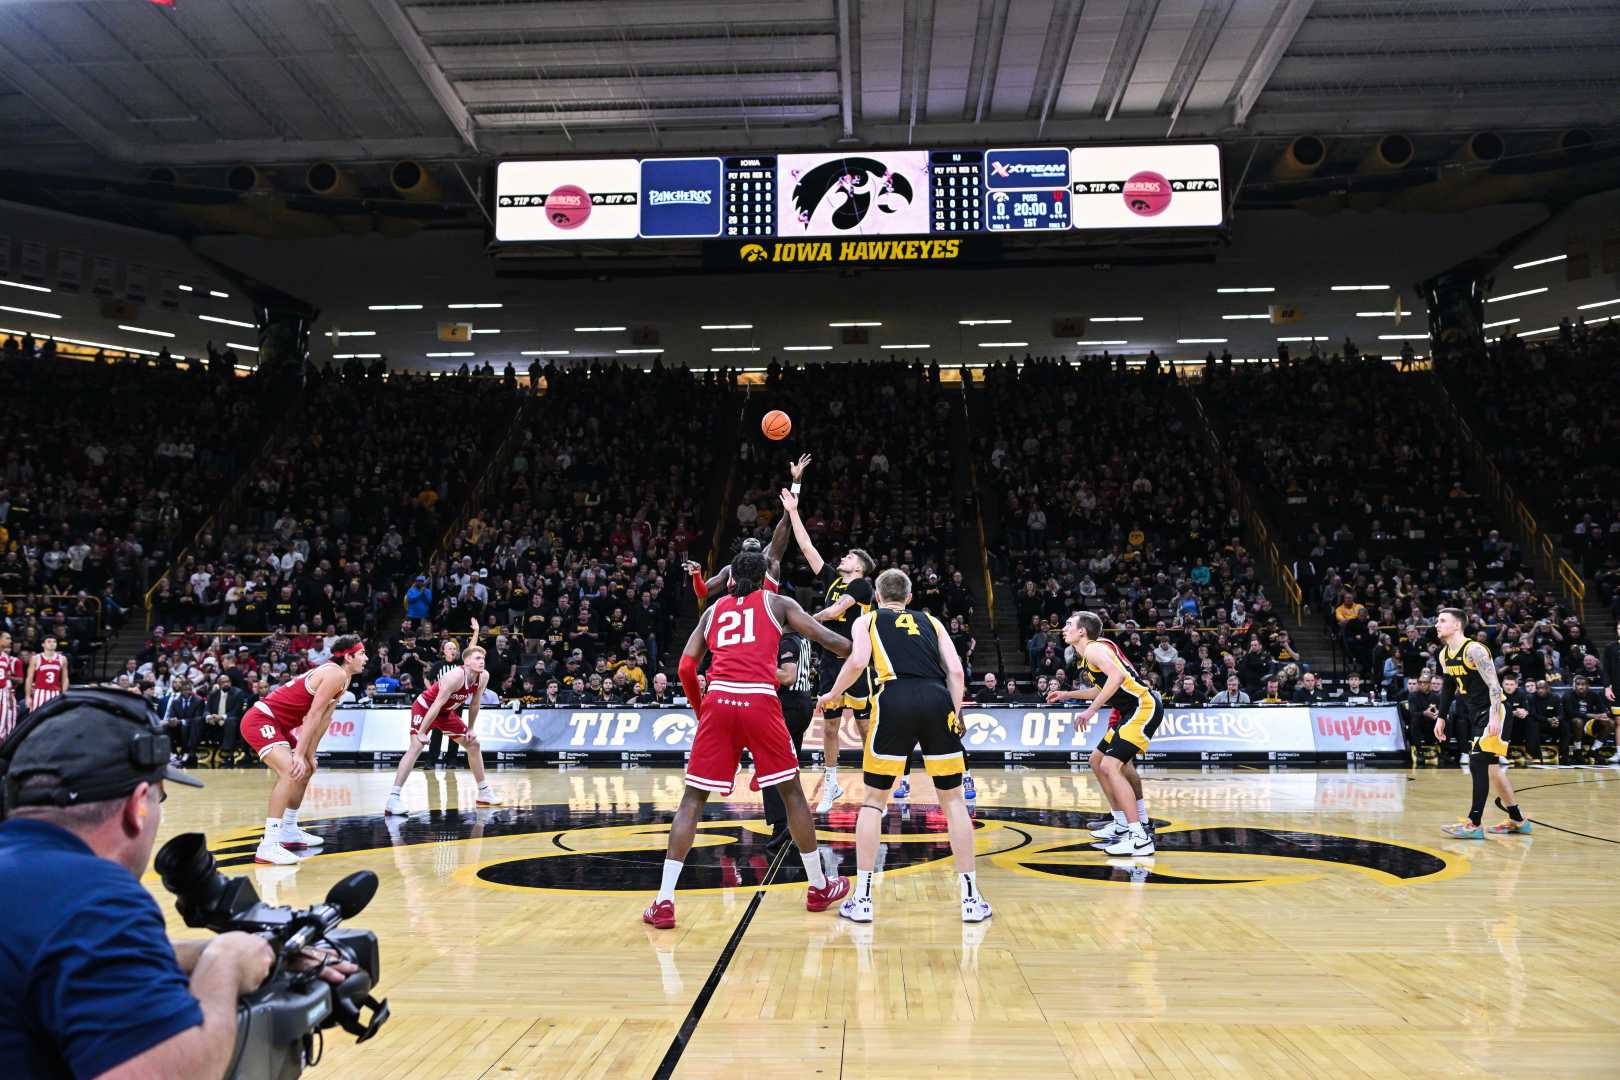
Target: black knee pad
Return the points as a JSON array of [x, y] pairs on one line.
[[1480, 762], [947, 783], [877, 781]]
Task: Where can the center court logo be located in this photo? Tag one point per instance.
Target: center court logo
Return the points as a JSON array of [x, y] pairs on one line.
[[606, 851]]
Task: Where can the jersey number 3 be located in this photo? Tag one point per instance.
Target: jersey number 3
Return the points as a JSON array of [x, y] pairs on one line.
[[734, 628]]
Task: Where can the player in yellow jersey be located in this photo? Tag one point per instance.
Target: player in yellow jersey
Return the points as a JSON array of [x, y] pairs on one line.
[[1472, 692], [1141, 710], [918, 702]]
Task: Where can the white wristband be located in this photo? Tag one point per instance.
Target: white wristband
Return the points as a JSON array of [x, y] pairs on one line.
[[795, 487]]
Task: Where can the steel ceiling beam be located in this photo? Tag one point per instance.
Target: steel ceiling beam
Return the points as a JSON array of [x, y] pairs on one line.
[[1127, 51], [64, 110], [1286, 20], [421, 57], [846, 70]]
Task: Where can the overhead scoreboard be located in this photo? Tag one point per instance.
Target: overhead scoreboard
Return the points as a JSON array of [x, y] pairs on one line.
[[861, 193]]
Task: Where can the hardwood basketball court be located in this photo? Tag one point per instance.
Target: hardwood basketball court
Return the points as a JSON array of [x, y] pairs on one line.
[[1294, 923]]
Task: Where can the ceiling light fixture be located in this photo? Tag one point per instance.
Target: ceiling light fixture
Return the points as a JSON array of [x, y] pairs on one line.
[[227, 322], [144, 330], [1514, 295], [1539, 262]]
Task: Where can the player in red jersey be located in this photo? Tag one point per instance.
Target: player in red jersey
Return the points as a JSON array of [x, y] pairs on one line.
[[284, 729], [438, 708], [741, 710], [773, 555], [8, 696], [47, 677]]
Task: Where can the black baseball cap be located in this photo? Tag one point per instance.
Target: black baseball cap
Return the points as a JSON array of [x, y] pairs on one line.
[[99, 744]]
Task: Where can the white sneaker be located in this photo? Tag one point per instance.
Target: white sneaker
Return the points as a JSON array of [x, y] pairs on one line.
[[975, 909], [486, 797], [274, 854], [395, 805], [1109, 831], [830, 793], [856, 909], [1128, 844], [297, 836]]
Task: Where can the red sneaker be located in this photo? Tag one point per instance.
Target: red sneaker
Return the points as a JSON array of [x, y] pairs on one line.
[[822, 899], [660, 915]]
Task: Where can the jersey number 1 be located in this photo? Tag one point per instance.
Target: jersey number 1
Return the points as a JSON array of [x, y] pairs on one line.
[[727, 632]]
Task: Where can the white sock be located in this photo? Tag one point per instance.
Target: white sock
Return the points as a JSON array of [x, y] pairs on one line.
[[831, 773], [812, 869], [396, 789], [970, 884], [1137, 831], [1141, 811], [672, 874], [484, 788], [272, 830], [290, 819], [1119, 817], [863, 884]]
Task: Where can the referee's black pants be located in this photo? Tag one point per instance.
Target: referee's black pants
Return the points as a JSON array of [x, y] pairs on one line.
[[798, 722]]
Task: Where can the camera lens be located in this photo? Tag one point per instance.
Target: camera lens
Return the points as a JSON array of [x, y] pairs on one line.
[[187, 867]]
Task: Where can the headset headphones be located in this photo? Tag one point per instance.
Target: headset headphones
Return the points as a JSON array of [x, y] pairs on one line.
[[149, 748]]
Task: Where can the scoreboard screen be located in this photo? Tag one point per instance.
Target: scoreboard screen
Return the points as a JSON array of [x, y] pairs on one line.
[[914, 193]]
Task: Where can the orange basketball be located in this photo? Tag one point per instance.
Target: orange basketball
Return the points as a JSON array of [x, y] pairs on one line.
[[776, 424]]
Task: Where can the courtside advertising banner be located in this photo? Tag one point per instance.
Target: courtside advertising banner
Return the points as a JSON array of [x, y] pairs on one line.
[[568, 200], [1146, 187], [1259, 733]]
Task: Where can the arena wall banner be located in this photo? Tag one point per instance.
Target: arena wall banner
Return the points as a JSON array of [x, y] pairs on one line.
[[1279, 734]]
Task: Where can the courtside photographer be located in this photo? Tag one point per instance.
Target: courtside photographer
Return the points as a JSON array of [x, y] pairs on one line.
[[90, 983]]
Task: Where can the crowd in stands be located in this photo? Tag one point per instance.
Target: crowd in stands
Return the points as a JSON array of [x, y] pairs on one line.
[[108, 466], [1531, 403], [574, 556], [1085, 512]]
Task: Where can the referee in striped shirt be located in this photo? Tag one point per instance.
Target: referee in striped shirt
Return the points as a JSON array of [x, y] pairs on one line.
[[796, 685]]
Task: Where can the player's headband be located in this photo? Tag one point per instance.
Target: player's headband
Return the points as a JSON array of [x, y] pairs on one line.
[[351, 650]]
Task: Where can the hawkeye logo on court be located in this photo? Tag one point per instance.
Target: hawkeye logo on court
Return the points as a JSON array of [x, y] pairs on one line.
[[609, 851]]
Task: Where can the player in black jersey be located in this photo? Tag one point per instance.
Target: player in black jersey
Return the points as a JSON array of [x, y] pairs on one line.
[[918, 702], [1473, 694], [847, 595]]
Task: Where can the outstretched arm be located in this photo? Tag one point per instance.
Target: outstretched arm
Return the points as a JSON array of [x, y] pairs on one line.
[[790, 613], [779, 535], [860, 654], [790, 503]]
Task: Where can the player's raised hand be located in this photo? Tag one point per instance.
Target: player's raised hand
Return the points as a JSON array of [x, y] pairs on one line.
[[1055, 696], [796, 468], [691, 567], [790, 501]]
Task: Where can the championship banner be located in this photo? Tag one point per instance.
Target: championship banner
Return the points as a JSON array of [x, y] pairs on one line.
[[1281, 733]]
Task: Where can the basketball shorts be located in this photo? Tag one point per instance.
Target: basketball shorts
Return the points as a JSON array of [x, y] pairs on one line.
[[731, 720], [907, 713], [263, 730], [37, 697], [857, 697], [1135, 729], [448, 721], [1484, 744]]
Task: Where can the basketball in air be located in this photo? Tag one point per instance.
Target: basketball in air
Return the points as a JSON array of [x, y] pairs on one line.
[[776, 424]]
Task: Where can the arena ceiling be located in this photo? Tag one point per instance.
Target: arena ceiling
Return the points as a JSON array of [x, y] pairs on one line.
[[201, 83]]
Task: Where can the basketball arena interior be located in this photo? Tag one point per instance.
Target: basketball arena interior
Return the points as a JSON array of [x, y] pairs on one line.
[[833, 538]]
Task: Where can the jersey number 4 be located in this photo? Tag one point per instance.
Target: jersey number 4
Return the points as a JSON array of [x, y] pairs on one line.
[[734, 628], [909, 622]]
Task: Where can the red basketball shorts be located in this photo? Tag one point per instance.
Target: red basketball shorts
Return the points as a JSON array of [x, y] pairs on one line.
[[262, 729], [730, 721], [448, 721]]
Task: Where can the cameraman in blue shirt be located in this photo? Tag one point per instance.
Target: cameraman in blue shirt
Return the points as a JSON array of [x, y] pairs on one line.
[[90, 984]]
